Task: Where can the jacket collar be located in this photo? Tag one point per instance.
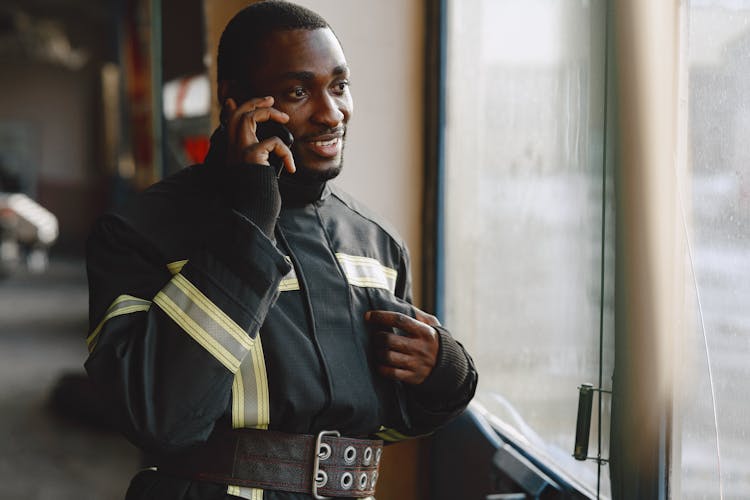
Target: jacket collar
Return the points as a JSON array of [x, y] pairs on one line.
[[294, 192]]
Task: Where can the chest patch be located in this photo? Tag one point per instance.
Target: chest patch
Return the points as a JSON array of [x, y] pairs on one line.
[[366, 272]]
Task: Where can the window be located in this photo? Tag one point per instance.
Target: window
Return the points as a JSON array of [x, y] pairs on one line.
[[528, 227], [527, 219], [714, 437]]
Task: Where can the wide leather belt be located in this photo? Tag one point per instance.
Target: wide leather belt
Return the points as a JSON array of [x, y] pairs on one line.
[[325, 465]]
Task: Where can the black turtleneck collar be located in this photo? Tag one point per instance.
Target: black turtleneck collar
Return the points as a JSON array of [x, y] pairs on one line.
[[298, 193], [294, 191]]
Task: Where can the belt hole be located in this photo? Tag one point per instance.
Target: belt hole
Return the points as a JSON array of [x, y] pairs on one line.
[[346, 480], [378, 453], [367, 457], [350, 454], [374, 480], [324, 451], [321, 479], [363, 481]]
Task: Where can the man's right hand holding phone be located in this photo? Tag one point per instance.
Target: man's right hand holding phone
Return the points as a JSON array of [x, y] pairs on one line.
[[250, 188], [242, 124]]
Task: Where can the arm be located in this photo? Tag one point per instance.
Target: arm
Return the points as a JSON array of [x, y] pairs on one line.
[[166, 341], [164, 347]]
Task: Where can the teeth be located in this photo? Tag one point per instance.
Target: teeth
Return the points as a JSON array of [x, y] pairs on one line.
[[326, 143]]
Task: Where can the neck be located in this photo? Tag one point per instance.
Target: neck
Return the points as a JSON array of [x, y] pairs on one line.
[[297, 191]]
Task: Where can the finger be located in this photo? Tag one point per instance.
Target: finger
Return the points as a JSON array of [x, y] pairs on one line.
[[393, 342], [259, 153], [426, 317], [396, 359], [232, 116], [400, 374], [423, 352], [248, 126], [237, 114], [408, 325], [388, 318], [282, 151], [255, 103]]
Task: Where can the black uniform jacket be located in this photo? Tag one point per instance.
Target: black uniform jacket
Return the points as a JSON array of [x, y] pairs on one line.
[[200, 319]]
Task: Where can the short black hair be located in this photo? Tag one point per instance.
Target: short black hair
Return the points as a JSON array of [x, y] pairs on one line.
[[248, 27]]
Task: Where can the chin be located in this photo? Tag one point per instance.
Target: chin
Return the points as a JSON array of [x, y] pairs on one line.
[[318, 175], [320, 172]]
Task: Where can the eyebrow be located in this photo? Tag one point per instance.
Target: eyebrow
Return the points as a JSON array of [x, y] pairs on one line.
[[306, 76]]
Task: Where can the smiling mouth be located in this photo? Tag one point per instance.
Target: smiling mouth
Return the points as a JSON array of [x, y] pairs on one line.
[[326, 143], [328, 147]]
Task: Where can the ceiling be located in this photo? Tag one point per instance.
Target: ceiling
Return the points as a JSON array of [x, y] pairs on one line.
[[68, 33]]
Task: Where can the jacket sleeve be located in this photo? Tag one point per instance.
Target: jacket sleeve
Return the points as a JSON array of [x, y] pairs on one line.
[[166, 341], [447, 390]]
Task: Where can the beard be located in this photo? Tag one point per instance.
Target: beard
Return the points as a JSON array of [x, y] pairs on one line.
[[307, 175], [314, 176]]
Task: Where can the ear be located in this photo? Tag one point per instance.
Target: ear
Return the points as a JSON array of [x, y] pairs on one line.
[[225, 90]]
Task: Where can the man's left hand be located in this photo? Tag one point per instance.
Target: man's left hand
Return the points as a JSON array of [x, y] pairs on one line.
[[410, 354]]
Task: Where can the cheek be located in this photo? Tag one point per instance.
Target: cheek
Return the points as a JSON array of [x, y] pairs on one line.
[[347, 107], [296, 121]]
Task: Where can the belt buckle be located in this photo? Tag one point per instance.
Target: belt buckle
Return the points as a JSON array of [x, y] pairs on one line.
[[316, 464]]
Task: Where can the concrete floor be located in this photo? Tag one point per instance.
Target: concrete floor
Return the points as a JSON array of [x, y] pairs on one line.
[[43, 454]]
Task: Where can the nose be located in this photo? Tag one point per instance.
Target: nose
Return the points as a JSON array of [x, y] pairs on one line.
[[330, 111]]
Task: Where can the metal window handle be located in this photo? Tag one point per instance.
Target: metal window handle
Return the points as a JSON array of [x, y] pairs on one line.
[[583, 422]]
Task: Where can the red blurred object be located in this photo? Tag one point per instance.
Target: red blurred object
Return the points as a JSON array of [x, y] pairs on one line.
[[196, 148]]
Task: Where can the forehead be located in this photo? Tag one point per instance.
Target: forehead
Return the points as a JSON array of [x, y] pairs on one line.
[[292, 51]]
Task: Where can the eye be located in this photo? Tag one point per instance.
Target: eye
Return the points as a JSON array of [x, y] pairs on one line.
[[339, 88], [298, 92]]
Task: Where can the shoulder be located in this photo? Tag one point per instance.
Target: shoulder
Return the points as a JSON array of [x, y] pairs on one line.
[[170, 196], [366, 215], [168, 213]]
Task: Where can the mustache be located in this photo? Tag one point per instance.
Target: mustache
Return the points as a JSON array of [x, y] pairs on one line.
[[336, 131]]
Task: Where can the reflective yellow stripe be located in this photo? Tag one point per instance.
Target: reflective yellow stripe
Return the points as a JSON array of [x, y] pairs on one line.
[[367, 272], [216, 314], [287, 285], [238, 401], [386, 436], [204, 321], [289, 282], [250, 403], [176, 267], [197, 333], [124, 304], [261, 382], [242, 492], [392, 435]]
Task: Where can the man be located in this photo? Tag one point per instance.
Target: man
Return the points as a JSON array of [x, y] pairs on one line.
[[237, 316]]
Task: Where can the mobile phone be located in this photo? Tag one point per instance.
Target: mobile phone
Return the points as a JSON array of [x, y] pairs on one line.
[[265, 130]]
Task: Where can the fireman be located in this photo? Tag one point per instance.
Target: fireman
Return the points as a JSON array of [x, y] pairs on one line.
[[251, 328]]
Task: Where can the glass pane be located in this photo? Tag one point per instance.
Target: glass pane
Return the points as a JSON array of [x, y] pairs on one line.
[[523, 195], [719, 215]]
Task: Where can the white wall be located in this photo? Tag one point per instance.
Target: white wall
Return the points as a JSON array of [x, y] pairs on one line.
[[384, 45]]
